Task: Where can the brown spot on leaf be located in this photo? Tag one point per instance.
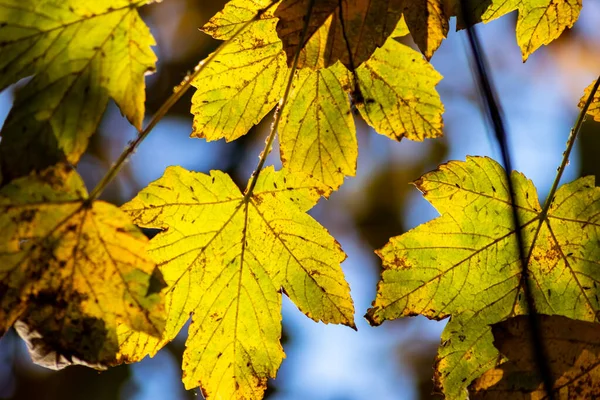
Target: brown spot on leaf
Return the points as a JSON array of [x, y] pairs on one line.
[[27, 216], [401, 262]]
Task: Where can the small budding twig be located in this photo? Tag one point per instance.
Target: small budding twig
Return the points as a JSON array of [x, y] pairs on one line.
[[563, 165], [280, 107], [179, 91], [495, 115], [570, 142]]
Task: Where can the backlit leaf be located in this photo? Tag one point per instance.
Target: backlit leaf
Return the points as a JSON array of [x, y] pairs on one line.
[[573, 349], [466, 351], [366, 24], [79, 53], [594, 109], [73, 273], [427, 22], [467, 260], [399, 93], [245, 81], [539, 23], [317, 132], [226, 260]]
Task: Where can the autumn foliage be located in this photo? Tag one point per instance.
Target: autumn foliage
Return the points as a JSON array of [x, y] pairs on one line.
[[82, 283]]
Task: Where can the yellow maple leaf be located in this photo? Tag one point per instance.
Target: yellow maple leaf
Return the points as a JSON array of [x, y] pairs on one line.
[[226, 258], [73, 272], [400, 99], [466, 264], [594, 109], [79, 53], [539, 23], [244, 81], [317, 132]]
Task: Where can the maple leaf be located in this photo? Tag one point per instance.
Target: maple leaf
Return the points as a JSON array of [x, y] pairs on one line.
[[594, 109], [573, 349], [79, 53], [427, 21], [73, 273], [365, 25], [317, 132], [539, 23], [245, 81], [465, 264], [400, 99], [226, 259]]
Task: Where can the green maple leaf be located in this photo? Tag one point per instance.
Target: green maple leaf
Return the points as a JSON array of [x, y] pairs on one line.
[[73, 273], [465, 264], [226, 259], [78, 53], [317, 132]]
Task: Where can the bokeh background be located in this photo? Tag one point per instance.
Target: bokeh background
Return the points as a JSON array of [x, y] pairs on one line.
[[395, 360]]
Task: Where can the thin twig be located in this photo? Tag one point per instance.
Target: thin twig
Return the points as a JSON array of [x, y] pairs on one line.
[[495, 114], [570, 142], [280, 107], [166, 106]]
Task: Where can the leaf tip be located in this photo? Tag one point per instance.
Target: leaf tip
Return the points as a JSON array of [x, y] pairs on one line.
[[372, 317], [420, 185], [350, 324]]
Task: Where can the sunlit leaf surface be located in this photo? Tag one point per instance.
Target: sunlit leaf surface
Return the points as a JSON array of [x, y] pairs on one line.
[[226, 259], [594, 109], [79, 54], [74, 273], [400, 100], [465, 264], [317, 132], [245, 81]]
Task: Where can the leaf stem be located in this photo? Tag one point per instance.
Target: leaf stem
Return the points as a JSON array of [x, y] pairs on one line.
[[357, 96], [280, 107], [537, 344], [179, 91], [570, 142]]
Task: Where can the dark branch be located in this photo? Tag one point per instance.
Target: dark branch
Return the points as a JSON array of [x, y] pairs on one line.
[[495, 115]]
